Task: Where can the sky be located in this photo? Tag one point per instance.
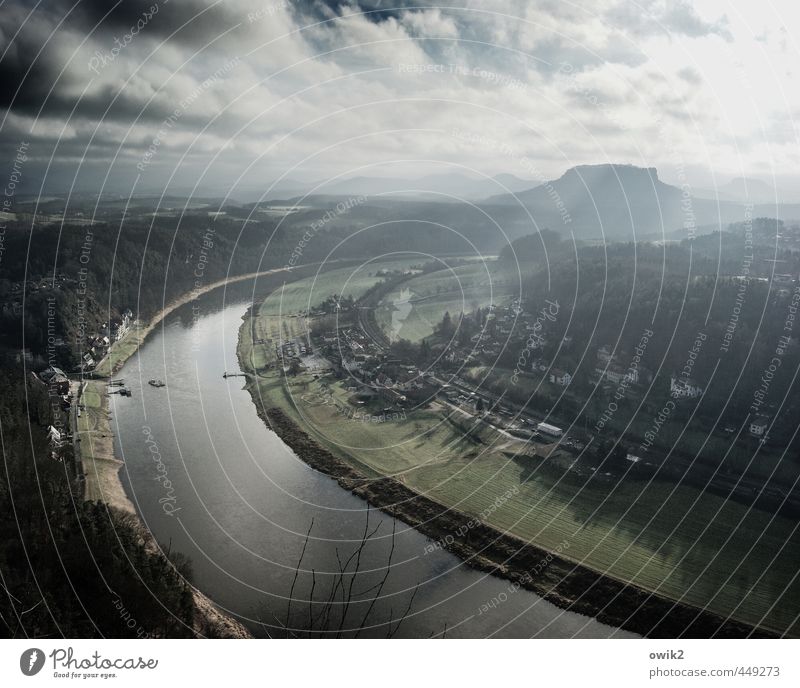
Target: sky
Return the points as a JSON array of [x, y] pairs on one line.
[[230, 96]]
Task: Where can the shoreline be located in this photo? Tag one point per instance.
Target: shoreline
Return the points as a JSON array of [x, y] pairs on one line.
[[104, 483], [562, 582], [106, 486], [566, 584], [142, 333]]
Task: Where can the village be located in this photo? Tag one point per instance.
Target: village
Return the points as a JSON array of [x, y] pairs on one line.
[[368, 378], [375, 372], [71, 416], [380, 383]]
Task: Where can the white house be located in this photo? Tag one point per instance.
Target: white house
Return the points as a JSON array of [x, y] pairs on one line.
[[560, 377], [54, 436], [684, 388], [547, 429], [616, 374], [758, 426]]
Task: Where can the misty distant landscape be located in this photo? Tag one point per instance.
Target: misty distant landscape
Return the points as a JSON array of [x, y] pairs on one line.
[[335, 320]]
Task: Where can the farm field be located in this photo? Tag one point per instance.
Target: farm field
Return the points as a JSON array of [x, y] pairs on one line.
[[282, 315], [675, 540], [412, 310], [393, 447]]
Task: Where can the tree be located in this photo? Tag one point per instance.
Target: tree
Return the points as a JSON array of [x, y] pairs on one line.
[[343, 604]]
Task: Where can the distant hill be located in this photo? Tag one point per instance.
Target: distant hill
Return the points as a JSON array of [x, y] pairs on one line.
[[429, 187], [617, 202], [746, 190]]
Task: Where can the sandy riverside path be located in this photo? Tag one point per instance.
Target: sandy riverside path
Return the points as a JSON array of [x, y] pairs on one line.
[[101, 470]]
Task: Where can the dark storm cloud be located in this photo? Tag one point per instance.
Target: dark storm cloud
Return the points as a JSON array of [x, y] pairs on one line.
[[374, 10], [299, 63], [187, 22], [32, 62], [25, 79]]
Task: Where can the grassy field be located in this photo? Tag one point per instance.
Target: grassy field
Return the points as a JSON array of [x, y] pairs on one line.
[[683, 544], [393, 447], [679, 542], [278, 316], [429, 296], [304, 294]]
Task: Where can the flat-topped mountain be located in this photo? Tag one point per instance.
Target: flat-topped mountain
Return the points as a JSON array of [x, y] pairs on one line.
[[615, 201]]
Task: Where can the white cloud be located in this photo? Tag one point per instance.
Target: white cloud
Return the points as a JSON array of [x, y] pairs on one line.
[[645, 81]]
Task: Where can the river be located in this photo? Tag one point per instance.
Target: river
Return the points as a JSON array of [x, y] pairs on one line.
[[239, 503]]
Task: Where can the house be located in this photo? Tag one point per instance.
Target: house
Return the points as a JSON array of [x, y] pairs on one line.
[[547, 429], [608, 368], [54, 437], [604, 355], [758, 426], [560, 377], [684, 388], [55, 379], [120, 326], [117, 330], [615, 374], [391, 395]]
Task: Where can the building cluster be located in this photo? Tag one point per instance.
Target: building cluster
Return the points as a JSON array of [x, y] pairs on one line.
[[370, 371], [505, 328], [684, 388], [98, 343], [58, 390], [609, 368]]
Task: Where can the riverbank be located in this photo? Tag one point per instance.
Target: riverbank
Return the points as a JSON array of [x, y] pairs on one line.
[[100, 465], [558, 580], [102, 483], [130, 343]]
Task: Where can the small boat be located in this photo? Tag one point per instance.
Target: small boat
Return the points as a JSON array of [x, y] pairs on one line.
[[155, 383]]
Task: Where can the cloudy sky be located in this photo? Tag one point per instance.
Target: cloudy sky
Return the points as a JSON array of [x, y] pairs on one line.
[[236, 95]]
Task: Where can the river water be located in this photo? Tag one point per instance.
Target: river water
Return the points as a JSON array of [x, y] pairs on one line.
[[239, 503]]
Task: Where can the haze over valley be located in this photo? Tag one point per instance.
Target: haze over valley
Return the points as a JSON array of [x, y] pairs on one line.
[[341, 320]]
